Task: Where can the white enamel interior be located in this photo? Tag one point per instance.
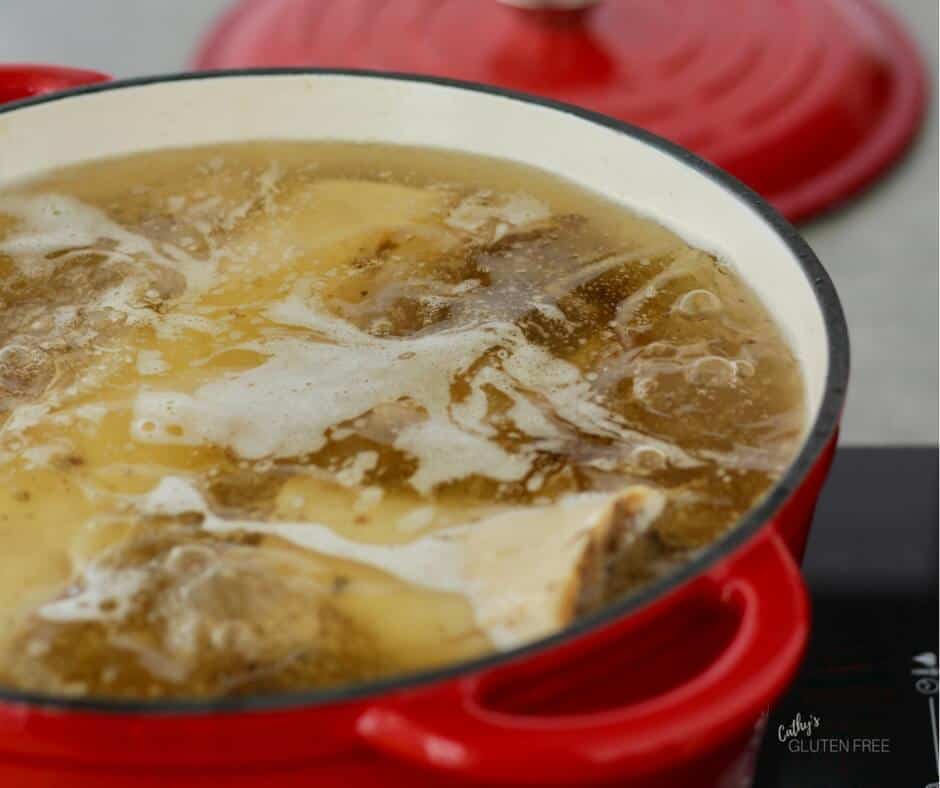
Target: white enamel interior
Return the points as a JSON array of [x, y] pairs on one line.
[[321, 106]]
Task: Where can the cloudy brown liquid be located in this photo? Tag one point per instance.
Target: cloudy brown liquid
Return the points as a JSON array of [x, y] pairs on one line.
[[220, 315]]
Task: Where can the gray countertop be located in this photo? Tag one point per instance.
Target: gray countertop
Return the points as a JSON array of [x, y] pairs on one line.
[[881, 249]]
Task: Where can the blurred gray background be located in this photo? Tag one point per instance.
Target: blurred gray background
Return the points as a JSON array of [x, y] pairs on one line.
[[881, 249]]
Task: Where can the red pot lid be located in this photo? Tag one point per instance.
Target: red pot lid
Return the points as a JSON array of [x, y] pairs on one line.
[[805, 100]]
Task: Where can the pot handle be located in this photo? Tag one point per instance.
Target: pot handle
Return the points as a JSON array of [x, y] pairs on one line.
[[24, 80], [449, 729]]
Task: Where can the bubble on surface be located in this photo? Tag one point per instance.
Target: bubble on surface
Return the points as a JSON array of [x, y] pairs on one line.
[[712, 371], [698, 303]]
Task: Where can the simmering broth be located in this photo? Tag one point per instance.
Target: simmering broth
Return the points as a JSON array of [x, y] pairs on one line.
[[285, 415]]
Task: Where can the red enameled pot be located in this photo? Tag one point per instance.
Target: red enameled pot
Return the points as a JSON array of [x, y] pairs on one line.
[[666, 688]]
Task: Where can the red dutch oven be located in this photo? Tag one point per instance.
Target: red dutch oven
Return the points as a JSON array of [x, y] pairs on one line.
[[666, 688]]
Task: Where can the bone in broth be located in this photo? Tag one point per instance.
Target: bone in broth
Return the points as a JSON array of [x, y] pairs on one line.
[[278, 416]]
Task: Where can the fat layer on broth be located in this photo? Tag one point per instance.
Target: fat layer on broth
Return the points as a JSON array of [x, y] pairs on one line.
[[286, 415]]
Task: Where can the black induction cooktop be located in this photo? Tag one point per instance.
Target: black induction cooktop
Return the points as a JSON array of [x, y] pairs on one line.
[[862, 712]]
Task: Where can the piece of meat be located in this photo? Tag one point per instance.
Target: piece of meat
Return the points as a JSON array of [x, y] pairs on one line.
[[487, 217], [311, 229], [526, 571], [177, 612], [531, 572]]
